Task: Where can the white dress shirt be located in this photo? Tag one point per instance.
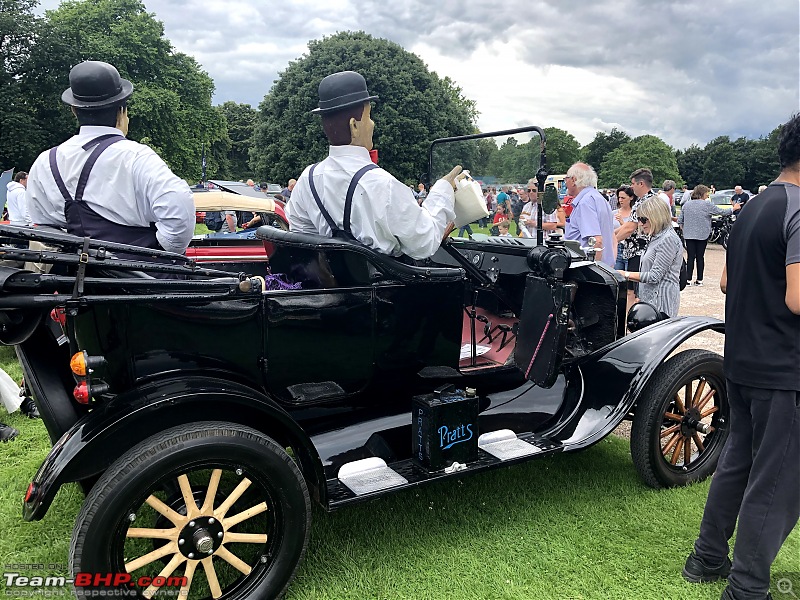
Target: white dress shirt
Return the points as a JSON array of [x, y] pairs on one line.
[[129, 185], [384, 216], [17, 207]]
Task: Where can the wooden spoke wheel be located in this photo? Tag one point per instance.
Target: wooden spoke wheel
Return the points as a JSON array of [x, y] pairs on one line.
[[681, 420], [226, 516]]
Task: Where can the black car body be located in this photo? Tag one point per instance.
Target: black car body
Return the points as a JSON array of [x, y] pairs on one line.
[[343, 375]]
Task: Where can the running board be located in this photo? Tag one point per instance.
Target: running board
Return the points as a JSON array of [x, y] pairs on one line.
[[372, 477]]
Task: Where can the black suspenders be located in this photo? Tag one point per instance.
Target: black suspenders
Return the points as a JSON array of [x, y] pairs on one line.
[[345, 231], [100, 143]]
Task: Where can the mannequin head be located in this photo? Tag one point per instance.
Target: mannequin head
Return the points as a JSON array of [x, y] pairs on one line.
[[350, 126]]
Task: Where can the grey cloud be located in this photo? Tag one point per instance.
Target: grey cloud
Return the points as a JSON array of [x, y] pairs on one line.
[[707, 68]]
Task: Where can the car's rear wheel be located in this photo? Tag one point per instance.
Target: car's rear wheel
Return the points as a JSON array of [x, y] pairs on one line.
[[218, 504], [681, 420]]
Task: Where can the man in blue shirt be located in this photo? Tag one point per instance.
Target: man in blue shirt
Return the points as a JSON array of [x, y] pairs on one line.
[[591, 214]]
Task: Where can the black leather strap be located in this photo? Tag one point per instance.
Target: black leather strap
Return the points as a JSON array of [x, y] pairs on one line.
[[100, 143], [57, 175], [336, 231], [325, 213], [348, 201]]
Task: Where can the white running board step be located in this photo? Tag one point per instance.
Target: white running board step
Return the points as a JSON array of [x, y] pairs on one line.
[[505, 445], [369, 475]]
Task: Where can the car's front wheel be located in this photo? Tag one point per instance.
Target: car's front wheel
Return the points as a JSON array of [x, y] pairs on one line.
[[218, 507], [681, 420]]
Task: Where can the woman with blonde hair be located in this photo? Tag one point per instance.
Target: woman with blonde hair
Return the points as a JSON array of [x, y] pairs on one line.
[[660, 266]]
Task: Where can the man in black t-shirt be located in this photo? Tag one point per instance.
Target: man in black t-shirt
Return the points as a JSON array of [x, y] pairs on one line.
[[758, 476], [739, 197]]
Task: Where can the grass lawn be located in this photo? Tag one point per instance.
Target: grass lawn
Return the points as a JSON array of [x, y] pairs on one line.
[[570, 526]]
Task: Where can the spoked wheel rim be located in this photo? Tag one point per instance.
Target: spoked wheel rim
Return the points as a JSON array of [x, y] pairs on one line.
[[693, 423], [218, 531]]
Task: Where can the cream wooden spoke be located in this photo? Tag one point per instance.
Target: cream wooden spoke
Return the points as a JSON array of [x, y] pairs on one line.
[[698, 441], [709, 394], [188, 498], [233, 560], [213, 485], [157, 534], [244, 515], [709, 411], [169, 569], [245, 538], [211, 576], [177, 519], [669, 430], [234, 496], [699, 392], [170, 548], [188, 572]]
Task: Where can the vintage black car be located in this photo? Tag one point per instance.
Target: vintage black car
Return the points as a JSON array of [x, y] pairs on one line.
[[201, 414]]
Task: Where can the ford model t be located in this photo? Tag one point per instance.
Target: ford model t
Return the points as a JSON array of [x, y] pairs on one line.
[[201, 412]]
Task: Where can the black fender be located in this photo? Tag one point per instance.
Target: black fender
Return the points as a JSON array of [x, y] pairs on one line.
[[613, 378], [92, 444]]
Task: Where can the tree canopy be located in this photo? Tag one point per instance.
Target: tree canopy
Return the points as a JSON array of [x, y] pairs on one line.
[[234, 152], [563, 150], [21, 136], [171, 105], [595, 151], [645, 151], [414, 107]]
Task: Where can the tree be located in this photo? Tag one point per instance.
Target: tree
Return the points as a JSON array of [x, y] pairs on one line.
[[563, 150], [171, 105], [603, 144], [241, 121], [764, 163], [723, 166], [690, 164], [21, 136], [646, 151], [415, 106]]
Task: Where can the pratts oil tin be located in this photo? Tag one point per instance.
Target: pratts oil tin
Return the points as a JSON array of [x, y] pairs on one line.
[[445, 428]]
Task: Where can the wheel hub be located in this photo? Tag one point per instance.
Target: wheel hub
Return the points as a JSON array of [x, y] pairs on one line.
[[201, 537], [692, 423]]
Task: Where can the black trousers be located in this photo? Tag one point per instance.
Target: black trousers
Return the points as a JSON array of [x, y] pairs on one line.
[[757, 482], [696, 250]]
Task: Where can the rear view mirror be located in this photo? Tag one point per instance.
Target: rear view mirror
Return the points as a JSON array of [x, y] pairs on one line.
[[550, 200]]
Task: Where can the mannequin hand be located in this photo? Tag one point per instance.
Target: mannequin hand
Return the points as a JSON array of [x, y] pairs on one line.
[[452, 176], [449, 229]]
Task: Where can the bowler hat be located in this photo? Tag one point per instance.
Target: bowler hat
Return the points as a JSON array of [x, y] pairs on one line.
[[341, 90], [94, 85]]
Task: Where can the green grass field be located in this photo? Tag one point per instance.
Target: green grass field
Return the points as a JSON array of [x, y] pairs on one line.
[[570, 526]]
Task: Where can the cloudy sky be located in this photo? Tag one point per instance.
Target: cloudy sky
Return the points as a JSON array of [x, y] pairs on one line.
[[686, 71]]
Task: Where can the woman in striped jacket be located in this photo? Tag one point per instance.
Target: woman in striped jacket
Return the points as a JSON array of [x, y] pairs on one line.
[[660, 267]]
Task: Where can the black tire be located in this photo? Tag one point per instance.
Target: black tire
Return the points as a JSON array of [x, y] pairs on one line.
[[655, 426], [193, 454], [724, 240]]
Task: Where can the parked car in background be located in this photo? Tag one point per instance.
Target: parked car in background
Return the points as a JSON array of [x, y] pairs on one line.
[[722, 198], [238, 251]]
